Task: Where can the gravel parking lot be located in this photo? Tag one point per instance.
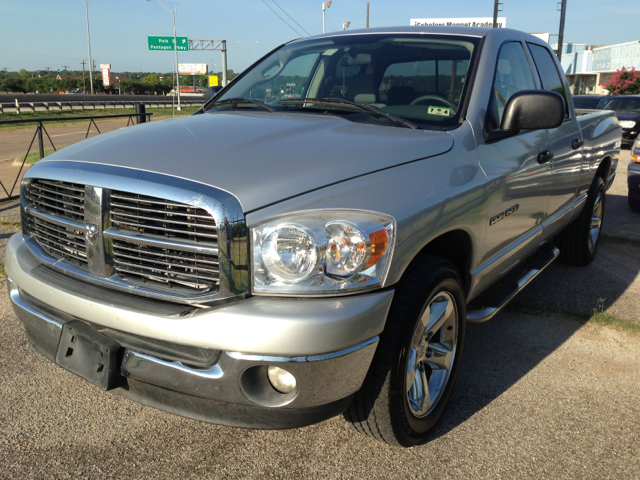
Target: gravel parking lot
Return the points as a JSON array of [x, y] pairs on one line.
[[540, 395]]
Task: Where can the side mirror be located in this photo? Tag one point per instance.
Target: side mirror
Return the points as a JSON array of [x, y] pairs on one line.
[[533, 110], [211, 92]]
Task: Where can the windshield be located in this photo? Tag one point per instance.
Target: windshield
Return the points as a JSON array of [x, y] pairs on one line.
[[621, 104], [418, 78]]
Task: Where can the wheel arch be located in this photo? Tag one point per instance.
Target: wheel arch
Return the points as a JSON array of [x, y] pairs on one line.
[[604, 169], [455, 246]]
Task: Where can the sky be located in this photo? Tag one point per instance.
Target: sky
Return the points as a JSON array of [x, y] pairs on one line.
[[35, 34]]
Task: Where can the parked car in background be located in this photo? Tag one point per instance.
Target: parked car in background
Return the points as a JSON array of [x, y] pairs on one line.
[[588, 101], [633, 177], [627, 108], [76, 92]]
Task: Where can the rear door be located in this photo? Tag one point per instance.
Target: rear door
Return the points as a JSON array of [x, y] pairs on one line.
[[566, 145]]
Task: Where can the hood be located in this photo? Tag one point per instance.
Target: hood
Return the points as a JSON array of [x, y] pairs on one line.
[[628, 116], [261, 158]]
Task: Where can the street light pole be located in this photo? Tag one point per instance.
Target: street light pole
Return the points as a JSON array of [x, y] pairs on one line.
[[87, 3], [327, 5], [174, 14], [248, 49]]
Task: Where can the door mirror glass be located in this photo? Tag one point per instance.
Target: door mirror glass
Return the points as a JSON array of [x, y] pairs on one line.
[[533, 110]]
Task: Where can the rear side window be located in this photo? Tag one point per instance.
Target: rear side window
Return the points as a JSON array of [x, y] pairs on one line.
[[548, 72], [513, 74]]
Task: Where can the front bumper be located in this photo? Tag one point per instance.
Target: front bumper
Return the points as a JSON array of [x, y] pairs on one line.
[[327, 344], [629, 136]]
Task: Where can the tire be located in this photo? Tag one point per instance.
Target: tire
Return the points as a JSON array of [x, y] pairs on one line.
[[578, 242], [386, 408], [634, 204]]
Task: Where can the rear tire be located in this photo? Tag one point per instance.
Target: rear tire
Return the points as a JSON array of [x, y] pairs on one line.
[[634, 204], [416, 363], [578, 242]]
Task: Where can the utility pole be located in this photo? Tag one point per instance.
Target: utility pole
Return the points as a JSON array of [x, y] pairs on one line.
[[65, 67], [5, 73], [367, 14], [87, 3], [496, 9], [563, 12], [48, 68], [84, 87], [174, 14]]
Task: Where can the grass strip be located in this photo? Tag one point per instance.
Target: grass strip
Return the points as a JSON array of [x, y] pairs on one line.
[[597, 318], [10, 224], [620, 240], [33, 157]]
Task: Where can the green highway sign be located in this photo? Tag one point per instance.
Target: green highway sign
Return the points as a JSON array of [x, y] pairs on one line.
[[166, 43]]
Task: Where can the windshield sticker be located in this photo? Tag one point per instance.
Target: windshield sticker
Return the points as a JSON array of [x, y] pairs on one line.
[[442, 111], [330, 52]]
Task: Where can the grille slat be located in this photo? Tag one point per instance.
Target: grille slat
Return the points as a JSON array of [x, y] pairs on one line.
[[154, 219], [158, 211], [188, 256]]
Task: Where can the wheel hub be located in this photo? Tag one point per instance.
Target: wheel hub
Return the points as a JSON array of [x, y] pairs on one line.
[[432, 353]]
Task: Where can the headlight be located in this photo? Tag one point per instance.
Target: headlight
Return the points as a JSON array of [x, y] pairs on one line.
[[321, 252], [627, 124]]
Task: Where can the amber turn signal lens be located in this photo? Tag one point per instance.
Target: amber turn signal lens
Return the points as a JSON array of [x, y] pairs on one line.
[[379, 242], [635, 158]]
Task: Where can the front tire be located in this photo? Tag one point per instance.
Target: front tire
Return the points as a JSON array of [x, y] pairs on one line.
[[416, 364], [578, 242]]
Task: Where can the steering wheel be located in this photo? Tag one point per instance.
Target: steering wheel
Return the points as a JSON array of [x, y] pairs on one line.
[[452, 106]]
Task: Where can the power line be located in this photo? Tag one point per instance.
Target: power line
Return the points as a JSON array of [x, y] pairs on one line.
[[281, 18], [285, 12], [329, 22]]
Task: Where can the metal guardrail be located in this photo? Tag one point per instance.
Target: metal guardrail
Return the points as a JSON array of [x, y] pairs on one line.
[[134, 118], [19, 107]]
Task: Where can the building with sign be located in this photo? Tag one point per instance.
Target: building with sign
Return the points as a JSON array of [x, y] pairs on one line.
[[589, 67]]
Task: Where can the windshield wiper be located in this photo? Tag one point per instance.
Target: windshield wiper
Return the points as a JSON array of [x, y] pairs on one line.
[[236, 100], [362, 106]]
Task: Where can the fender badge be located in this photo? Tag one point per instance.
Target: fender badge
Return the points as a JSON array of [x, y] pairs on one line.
[[504, 214]]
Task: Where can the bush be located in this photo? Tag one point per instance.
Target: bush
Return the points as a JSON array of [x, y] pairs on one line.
[[624, 82]]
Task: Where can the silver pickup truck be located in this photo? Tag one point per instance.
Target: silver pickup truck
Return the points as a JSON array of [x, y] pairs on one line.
[[316, 238]]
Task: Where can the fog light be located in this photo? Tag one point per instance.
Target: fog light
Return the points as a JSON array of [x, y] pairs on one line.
[[281, 380]]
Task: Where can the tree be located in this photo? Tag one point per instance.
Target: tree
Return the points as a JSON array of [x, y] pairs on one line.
[[14, 84], [624, 82], [152, 78]]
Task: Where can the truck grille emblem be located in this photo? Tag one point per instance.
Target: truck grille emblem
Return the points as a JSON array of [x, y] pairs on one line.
[[90, 232]]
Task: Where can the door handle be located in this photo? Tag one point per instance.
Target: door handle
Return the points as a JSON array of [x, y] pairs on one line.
[[577, 143], [545, 157]]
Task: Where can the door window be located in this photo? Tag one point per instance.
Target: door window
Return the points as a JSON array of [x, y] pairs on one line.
[[548, 72], [513, 74]]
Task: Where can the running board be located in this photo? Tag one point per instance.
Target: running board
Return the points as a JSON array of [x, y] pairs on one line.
[[506, 293]]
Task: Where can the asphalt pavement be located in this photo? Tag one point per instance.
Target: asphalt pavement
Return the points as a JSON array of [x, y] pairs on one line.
[[538, 396]]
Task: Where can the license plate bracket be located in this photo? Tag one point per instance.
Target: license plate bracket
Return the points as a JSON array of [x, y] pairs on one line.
[[88, 354]]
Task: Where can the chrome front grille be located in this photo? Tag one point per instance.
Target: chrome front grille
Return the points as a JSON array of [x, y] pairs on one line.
[[56, 219], [60, 199], [162, 247], [168, 266], [159, 219], [154, 216], [59, 241]]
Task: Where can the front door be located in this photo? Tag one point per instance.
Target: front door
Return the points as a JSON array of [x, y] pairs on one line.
[[518, 183]]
